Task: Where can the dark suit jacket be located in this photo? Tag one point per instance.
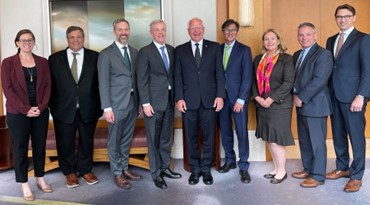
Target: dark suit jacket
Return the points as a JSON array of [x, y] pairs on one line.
[[203, 84], [15, 88], [65, 90], [116, 79], [239, 71], [311, 82], [281, 82], [351, 73], [152, 77]]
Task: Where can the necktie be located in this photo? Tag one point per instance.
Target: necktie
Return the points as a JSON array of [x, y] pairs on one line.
[[339, 45], [300, 58], [197, 54], [226, 56], [164, 58], [126, 58], [74, 67]]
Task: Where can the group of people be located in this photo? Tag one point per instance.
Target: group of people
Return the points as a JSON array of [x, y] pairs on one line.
[[206, 82]]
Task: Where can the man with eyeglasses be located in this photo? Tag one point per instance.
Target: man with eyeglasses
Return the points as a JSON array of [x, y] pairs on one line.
[[237, 60], [350, 91]]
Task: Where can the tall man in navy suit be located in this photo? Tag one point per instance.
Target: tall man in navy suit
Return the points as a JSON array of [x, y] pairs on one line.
[[154, 69], [119, 99], [75, 106], [199, 93], [238, 67], [350, 91], [314, 65]]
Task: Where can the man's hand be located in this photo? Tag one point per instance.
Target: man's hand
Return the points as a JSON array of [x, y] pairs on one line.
[[109, 116], [357, 104], [218, 104], [297, 102], [148, 110], [181, 106], [238, 107]]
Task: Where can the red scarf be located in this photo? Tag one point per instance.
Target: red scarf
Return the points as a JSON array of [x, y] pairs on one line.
[[264, 71]]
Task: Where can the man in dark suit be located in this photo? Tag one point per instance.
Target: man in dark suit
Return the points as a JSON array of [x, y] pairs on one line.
[[154, 70], [238, 67], [314, 65], [350, 91], [75, 106], [199, 93], [119, 99]]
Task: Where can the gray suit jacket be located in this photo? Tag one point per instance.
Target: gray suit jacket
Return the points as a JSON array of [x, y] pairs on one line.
[[116, 79], [152, 77], [311, 82]]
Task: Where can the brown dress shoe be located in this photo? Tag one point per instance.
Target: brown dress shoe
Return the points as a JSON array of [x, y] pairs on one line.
[[300, 175], [121, 182], [311, 183], [72, 180], [131, 176], [90, 178], [336, 174], [353, 185]]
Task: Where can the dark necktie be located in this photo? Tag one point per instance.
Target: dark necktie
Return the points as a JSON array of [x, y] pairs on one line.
[[339, 45], [126, 58], [197, 55], [300, 58], [74, 67], [164, 58]]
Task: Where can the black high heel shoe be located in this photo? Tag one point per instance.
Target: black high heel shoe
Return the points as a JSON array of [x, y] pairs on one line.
[[278, 181], [269, 176]]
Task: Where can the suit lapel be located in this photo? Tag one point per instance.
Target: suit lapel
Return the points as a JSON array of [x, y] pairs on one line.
[[85, 65], [350, 39], [170, 58], [307, 58], [232, 54], [118, 54], [20, 74], [66, 66], [204, 52]]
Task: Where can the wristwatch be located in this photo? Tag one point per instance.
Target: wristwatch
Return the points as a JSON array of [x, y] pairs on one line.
[[360, 96]]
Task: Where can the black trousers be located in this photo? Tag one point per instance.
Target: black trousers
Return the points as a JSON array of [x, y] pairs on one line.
[[21, 128], [65, 135]]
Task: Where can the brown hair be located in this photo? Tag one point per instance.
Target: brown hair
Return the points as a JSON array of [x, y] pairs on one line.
[[74, 28], [281, 47], [20, 33], [346, 6]]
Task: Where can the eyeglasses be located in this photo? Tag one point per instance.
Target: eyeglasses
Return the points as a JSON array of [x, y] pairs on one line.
[[230, 30], [30, 41], [346, 17]]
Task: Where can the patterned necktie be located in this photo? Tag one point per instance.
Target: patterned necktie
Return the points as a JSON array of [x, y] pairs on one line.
[[126, 58], [164, 58], [197, 55], [300, 58], [339, 45], [226, 56], [74, 67]]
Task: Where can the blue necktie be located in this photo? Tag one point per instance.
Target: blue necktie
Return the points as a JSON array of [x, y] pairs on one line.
[[164, 58]]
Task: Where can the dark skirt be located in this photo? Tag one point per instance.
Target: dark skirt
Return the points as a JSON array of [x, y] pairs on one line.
[[274, 125]]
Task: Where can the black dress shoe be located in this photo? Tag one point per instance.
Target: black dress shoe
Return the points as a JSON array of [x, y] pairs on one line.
[[226, 167], [269, 176], [244, 176], [207, 178], [278, 181], [194, 178], [170, 174], [160, 183]]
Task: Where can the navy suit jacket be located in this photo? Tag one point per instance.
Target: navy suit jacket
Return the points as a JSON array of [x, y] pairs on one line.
[[311, 82], [199, 85], [351, 72], [64, 89], [239, 71]]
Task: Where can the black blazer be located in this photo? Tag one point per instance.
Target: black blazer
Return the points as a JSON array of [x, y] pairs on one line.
[[351, 73], [203, 84], [311, 82], [281, 82], [65, 90], [152, 77]]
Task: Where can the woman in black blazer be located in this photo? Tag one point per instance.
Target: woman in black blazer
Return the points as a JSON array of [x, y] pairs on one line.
[[273, 81], [25, 79]]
